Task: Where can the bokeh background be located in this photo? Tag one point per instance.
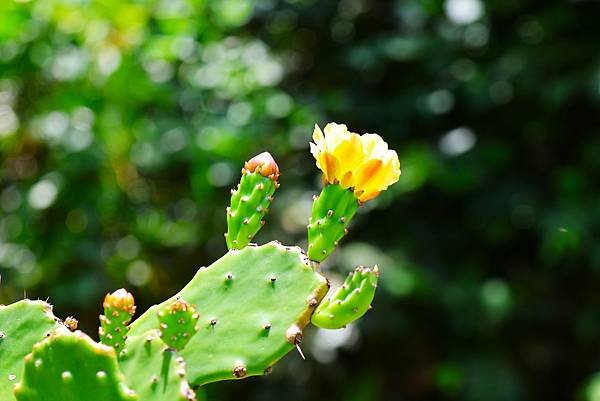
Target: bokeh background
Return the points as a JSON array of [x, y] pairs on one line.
[[124, 124]]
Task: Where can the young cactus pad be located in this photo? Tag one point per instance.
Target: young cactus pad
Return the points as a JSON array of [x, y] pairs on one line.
[[331, 212], [349, 302], [177, 323], [251, 200], [254, 304], [71, 367], [119, 308], [154, 371], [22, 324]]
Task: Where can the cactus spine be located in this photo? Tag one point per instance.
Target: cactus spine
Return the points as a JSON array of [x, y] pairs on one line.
[[251, 200], [331, 212], [119, 308]]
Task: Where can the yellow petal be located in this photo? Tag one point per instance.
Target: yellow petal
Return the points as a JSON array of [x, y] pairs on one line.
[[349, 153], [335, 134], [318, 137], [366, 196], [373, 146], [366, 173]]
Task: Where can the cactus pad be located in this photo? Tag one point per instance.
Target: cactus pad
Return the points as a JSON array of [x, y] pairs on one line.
[[22, 324], [331, 212], [177, 324], [71, 367], [155, 372], [254, 304], [349, 302]]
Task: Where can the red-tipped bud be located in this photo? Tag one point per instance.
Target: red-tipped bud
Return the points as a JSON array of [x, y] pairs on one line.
[[121, 299], [263, 164]]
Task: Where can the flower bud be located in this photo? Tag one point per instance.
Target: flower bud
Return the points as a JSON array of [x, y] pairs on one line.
[[263, 164], [121, 299]]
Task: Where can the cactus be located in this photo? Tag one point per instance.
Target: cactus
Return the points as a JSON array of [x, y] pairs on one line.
[[22, 324], [154, 371], [177, 324], [251, 200], [70, 366], [252, 304], [350, 302], [331, 212]]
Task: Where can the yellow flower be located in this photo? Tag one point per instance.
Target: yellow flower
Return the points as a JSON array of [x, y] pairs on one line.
[[360, 162]]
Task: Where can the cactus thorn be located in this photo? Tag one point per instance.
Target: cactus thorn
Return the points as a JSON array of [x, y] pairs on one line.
[[294, 334], [267, 326], [229, 276], [71, 323], [273, 278], [260, 186], [66, 376], [329, 213], [268, 370], [213, 322], [239, 370], [246, 221]]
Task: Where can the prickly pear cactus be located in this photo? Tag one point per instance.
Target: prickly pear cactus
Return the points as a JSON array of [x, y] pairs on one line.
[[178, 323], [350, 302], [254, 304], [154, 371], [119, 308], [234, 319], [22, 324], [70, 366]]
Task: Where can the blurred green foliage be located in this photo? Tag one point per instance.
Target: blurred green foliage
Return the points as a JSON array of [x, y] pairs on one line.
[[123, 125]]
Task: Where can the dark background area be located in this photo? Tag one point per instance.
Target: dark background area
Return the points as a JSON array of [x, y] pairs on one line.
[[124, 124]]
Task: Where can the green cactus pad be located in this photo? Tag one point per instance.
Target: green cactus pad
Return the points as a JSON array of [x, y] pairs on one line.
[[71, 367], [254, 304], [331, 212], [349, 302], [178, 323], [155, 372], [119, 308], [249, 204], [22, 324]]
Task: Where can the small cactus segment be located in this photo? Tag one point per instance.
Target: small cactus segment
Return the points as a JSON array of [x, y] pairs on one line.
[[251, 200], [22, 324], [178, 323], [119, 308], [71, 367], [349, 302], [331, 213], [154, 371], [254, 303]]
